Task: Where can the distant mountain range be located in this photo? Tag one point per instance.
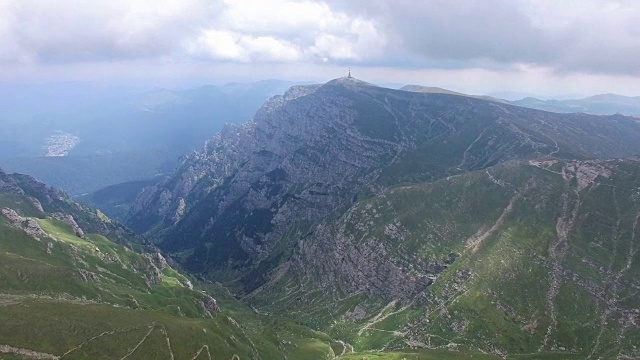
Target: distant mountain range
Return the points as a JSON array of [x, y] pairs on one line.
[[605, 104]]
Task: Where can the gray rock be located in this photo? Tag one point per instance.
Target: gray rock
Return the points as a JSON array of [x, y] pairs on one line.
[[69, 220], [28, 225]]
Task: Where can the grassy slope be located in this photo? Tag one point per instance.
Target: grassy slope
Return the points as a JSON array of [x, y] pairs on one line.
[[505, 303], [48, 307]]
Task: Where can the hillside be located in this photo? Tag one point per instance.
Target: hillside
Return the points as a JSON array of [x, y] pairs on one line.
[[604, 104], [74, 285], [437, 90], [532, 258], [116, 200], [345, 221]]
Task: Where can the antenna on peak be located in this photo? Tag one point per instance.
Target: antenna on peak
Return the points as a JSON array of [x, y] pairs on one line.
[[349, 76]]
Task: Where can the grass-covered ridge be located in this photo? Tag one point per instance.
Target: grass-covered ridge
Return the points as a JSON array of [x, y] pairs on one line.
[[71, 295]]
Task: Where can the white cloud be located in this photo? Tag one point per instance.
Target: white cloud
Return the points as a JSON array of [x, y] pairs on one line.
[[270, 49], [282, 30], [227, 45], [75, 31], [328, 46], [54, 31], [280, 16], [220, 44]]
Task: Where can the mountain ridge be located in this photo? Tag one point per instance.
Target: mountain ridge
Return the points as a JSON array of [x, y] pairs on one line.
[[601, 104]]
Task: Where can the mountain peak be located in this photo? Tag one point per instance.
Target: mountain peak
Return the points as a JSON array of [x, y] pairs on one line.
[[349, 82]]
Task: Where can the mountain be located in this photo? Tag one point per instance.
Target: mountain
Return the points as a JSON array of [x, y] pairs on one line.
[[399, 220], [83, 137], [605, 104], [314, 151], [116, 200], [345, 221], [437, 90], [534, 257], [76, 285]]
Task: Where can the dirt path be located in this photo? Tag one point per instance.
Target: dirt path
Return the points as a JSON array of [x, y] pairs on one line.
[[557, 252], [466, 151], [163, 329], [139, 343], [613, 281], [204, 347], [383, 314], [104, 333], [557, 150], [6, 349], [474, 242]]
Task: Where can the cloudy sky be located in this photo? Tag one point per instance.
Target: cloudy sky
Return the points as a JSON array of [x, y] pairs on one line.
[[477, 46]]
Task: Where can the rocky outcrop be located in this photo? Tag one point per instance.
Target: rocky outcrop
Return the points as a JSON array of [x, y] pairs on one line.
[[332, 259], [153, 269], [37, 205], [68, 219], [157, 260], [88, 276], [30, 226], [210, 305], [8, 184]]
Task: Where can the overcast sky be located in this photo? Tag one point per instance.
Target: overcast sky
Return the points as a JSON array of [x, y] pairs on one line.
[[476, 46]]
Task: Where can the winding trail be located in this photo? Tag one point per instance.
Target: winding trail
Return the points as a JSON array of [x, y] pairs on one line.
[[557, 252], [557, 150], [163, 329], [204, 347], [612, 281], [466, 151], [139, 343], [6, 349], [110, 332], [474, 242], [383, 314]]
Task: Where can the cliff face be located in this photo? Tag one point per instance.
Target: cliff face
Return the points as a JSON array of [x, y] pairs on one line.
[[239, 206]]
